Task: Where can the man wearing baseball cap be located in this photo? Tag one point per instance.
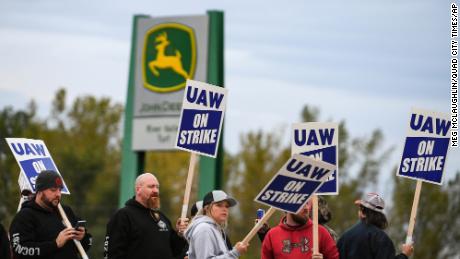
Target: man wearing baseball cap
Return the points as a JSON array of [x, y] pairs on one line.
[[366, 239], [37, 230]]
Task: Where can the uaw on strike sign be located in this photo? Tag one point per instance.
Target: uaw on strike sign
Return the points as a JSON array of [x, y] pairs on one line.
[[294, 183], [33, 157], [319, 140], [201, 120], [426, 146]]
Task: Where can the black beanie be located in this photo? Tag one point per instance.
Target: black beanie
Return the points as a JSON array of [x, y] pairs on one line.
[[48, 179]]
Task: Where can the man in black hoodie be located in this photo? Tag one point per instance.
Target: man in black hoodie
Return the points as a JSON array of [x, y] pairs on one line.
[[140, 230], [37, 230]]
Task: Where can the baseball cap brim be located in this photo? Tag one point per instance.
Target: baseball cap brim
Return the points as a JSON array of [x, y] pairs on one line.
[[218, 196], [232, 202]]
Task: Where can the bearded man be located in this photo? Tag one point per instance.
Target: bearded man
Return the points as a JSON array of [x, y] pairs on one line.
[[293, 238], [37, 230], [140, 229]]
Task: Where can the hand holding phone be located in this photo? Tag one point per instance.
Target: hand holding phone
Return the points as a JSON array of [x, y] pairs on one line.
[[79, 230], [80, 223]]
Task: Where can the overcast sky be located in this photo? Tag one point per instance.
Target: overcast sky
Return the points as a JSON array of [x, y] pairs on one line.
[[365, 62]]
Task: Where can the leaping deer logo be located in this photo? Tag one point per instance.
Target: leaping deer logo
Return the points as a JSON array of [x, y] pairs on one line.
[[163, 61]]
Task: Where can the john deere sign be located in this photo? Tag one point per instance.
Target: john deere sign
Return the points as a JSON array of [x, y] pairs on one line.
[[164, 52], [169, 57], [168, 52]]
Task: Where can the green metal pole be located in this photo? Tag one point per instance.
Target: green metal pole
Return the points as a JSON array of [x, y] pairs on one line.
[[131, 162], [210, 168]]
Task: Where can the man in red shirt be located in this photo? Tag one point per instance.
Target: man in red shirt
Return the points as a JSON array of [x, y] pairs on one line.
[[293, 238]]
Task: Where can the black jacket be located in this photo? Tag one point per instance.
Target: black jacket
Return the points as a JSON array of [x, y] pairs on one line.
[[34, 230], [366, 241], [133, 232], [4, 244]]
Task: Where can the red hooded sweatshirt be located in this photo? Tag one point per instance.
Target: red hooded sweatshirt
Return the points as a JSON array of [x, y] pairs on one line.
[[285, 242]]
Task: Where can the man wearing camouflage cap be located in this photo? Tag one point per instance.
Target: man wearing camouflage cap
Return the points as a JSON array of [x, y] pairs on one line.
[[37, 230]]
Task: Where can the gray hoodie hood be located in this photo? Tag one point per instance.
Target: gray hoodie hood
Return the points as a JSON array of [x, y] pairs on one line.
[[196, 222], [206, 240]]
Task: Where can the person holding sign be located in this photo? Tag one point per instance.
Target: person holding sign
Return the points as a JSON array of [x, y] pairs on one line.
[[37, 230], [197, 207], [292, 238], [324, 216], [140, 229], [206, 233], [366, 239]]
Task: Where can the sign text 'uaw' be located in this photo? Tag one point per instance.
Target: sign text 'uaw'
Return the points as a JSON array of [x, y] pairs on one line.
[[319, 140], [426, 146], [33, 157], [294, 183], [202, 116]]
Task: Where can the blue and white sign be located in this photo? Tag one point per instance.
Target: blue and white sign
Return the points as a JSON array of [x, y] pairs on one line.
[[33, 157], [425, 149], [201, 119], [292, 186], [319, 140]]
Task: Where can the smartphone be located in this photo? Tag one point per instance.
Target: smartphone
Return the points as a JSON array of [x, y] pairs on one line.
[[260, 214], [80, 223]]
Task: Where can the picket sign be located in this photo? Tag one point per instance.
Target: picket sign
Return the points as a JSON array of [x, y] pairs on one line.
[[32, 156], [68, 225], [413, 213], [26, 170], [259, 224], [319, 142], [292, 187], [188, 185], [200, 126], [424, 154]]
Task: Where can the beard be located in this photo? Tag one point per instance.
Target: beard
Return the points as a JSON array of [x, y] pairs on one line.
[[299, 219], [50, 203], [153, 202]]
